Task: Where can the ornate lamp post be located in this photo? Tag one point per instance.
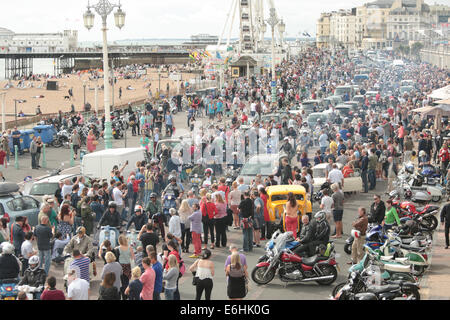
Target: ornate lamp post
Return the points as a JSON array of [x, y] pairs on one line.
[[104, 8], [273, 21]]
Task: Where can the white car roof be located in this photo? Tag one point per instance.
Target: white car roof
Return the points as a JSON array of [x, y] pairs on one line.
[[56, 179]]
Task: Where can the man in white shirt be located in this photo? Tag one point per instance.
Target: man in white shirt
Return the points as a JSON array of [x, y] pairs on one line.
[[78, 289], [323, 142], [118, 197], [336, 176], [174, 223], [326, 205], [66, 188], [27, 249]]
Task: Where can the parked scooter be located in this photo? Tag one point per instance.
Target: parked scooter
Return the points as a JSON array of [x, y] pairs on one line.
[[374, 238], [8, 289]]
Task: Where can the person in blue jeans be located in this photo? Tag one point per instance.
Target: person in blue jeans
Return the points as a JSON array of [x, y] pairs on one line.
[[171, 276], [158, 268], [246, 208]]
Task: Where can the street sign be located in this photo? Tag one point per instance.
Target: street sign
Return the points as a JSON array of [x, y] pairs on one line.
[[273, 84]]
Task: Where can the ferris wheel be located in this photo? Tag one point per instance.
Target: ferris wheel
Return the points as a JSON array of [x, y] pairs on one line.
[[252, 25]]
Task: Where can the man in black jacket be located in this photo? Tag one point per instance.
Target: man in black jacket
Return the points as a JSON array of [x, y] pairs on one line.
[[307, 235], [445, 217], [377, 210], [139, 219], [34, 276], [111, 217], [9, 264]]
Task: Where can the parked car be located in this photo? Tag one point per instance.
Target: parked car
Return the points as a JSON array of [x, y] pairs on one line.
[[315, 116], [14, 204], [340, 91], [344, 110], [311, 106], [351, 184], [45, 186], [278, 196], [265, 165]]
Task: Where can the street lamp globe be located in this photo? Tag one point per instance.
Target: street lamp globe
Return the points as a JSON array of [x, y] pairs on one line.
[[88, 18], [281, 26], [264, 27], [119, 17]]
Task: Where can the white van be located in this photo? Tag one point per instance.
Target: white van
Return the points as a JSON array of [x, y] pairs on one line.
[[99, 164]]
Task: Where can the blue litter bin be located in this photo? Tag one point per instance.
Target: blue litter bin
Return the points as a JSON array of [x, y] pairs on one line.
[[46, 133], [82, 154], [26, 138]]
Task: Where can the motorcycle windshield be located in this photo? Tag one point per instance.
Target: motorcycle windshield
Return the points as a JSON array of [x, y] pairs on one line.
[[281, 240]]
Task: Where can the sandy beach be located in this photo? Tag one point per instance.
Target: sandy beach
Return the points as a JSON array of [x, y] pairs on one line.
[[53, 101]]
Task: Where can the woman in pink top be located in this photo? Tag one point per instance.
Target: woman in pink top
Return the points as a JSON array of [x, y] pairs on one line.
[[91, 142], [147, 280], [220, 221]]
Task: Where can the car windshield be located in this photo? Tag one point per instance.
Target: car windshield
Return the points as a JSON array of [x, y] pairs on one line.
[[42, 189], [319, 172], [341, 91], [22, 204], [169, 144], [284, 197], [314, 118], [252, 169], [308, 105]]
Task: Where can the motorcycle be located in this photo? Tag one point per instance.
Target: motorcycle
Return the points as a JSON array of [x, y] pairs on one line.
[[392, 270], [360, 287], [33, 293], [169, 202], [8, 289], [374, 238], [408, 209], [415, 194], [62, 139], [117, 131], [109, 233], [319, 195], [195, 182], [292, 268], [412, 254]]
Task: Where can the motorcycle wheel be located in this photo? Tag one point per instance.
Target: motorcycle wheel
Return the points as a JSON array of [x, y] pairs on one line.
[[430, 222], [258, 273], [414, 292], [327, 270], [337, 288], [56, 144], [402, 276], [348, 248], [418, 270]]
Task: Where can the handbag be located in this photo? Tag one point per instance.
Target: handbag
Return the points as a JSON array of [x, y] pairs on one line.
[[229, 217], [195, 279]]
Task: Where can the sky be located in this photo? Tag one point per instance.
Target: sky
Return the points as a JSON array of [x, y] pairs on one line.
[[158, 19]]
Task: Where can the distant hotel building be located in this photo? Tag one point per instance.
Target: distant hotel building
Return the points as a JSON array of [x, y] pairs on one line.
[[382, 24], [202, 40], [38, 42]]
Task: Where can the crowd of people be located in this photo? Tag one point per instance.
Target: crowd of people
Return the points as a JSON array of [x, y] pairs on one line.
[[373, 142]]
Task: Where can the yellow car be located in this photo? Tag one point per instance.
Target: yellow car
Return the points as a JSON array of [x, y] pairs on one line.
[[277, 198]]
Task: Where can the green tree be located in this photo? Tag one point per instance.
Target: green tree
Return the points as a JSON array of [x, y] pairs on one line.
[[416, 47]]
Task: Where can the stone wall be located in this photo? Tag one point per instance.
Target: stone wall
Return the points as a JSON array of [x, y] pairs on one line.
[[440, 57]]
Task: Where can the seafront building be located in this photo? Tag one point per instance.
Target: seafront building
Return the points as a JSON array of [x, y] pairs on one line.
[[37, 42], [383, 24]]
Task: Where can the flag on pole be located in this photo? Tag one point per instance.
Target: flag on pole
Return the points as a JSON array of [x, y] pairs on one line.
[[218, 56]]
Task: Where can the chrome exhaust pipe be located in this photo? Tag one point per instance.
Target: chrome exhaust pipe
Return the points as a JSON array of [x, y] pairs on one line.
[[317, 278]]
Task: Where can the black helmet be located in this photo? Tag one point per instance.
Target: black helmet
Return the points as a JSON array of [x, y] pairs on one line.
[[112, 204], [153, 195]]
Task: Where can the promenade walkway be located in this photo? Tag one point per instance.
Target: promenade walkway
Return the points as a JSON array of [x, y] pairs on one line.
[[436, 282]]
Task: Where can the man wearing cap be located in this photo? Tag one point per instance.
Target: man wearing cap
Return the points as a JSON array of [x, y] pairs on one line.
[[81, 242]]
